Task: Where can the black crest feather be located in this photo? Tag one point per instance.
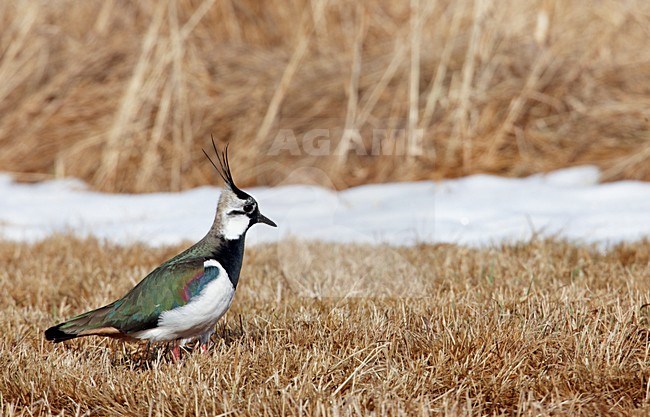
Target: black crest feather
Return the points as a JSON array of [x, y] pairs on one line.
[[224, 168]]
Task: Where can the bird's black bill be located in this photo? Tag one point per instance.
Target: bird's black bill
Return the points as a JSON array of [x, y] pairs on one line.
[[263, 219]]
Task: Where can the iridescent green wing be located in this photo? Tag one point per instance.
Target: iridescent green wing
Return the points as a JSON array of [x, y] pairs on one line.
[[169, 286]]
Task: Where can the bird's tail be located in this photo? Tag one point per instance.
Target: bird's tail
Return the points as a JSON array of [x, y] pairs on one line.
[[86, 324]]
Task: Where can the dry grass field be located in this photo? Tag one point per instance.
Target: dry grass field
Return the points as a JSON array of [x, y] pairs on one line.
[[124, 94], [541, 328]]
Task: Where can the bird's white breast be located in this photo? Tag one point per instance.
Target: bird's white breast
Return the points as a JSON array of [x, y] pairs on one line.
[[198, 315]]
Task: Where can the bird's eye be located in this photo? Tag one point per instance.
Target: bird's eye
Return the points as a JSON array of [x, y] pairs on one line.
[[248, 208]]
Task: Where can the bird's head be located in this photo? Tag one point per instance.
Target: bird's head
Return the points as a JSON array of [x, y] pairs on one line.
[[237, 211]]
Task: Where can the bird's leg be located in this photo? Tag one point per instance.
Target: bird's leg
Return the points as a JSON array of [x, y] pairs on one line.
[[176, 351], [203, 343], [147, 351], [204, 340]]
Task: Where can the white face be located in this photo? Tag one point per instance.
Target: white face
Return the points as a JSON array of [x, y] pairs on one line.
[[235, 226], [235, 214]]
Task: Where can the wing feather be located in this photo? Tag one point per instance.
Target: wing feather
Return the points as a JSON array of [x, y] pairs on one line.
[[167, 287]]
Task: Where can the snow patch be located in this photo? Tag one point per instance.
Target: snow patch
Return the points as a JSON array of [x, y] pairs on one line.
[[475, 210]]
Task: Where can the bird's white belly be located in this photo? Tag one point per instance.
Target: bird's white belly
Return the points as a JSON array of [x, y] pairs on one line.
[[195, 317]]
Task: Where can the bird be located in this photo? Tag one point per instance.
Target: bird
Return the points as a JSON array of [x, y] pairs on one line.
[[184, 297]]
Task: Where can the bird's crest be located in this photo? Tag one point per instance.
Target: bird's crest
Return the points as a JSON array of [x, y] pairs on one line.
[[224, 167]]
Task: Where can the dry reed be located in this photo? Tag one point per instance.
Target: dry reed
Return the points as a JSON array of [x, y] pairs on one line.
[[124, 94]]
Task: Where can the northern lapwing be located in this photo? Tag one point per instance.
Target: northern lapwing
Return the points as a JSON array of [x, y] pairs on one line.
[[184, 297]]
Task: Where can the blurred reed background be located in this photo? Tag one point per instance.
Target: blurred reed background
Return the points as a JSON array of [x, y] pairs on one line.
[[124, 94]]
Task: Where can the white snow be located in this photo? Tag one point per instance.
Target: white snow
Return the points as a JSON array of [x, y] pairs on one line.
[[475, 210]]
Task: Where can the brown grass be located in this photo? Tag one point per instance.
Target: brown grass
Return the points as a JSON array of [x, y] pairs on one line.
[[544, 328], [124, 94]]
